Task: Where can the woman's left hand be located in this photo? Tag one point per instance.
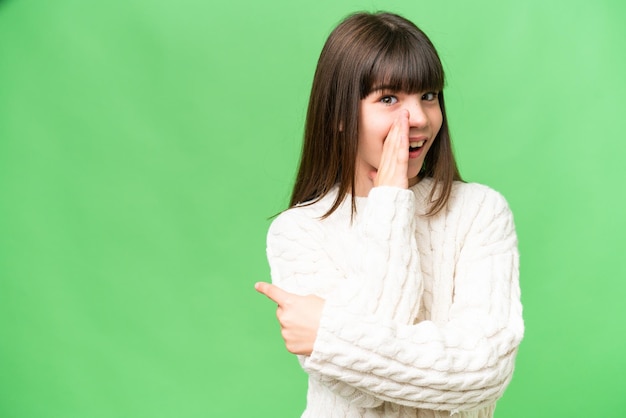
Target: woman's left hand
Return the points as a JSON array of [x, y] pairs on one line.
[[299, 317]]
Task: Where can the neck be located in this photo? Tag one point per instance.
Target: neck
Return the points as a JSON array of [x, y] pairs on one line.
[[363, 186]]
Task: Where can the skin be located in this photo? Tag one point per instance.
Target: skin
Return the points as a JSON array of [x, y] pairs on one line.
[[388, 122], [299, 317]]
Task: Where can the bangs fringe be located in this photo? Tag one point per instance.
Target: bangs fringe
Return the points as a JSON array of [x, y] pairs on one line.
[[403, 64]]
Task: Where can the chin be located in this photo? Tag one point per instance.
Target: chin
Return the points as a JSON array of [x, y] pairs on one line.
[[413, 172]]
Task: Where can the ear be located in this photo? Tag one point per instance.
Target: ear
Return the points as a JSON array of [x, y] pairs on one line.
[[340, 126]]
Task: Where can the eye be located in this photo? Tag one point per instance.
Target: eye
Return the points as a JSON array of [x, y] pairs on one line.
[[430, 96], [389, 100]]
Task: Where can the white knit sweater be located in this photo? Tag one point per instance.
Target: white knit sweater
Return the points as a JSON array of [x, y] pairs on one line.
[[422, 316]]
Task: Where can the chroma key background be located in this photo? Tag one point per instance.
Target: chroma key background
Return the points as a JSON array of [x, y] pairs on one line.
[[144, 145]]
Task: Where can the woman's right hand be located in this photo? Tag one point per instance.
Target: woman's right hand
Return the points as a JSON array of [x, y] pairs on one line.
[[392, 170], [299, 317]]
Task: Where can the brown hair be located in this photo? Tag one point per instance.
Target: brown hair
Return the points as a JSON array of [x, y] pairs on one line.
[[364, 50]]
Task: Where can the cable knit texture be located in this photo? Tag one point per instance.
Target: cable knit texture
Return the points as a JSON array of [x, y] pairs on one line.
[[422, 316]]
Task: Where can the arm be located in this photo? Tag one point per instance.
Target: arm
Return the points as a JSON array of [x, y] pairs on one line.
[[296, 245], [462, 364], [301, 262], [387, 282]]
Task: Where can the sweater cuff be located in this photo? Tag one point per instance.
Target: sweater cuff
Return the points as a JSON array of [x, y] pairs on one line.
[[388, 207]]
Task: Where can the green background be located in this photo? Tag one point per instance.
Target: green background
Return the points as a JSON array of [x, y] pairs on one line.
[[144, 145]]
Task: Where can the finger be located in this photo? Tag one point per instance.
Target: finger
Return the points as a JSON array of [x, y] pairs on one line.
[[389, 146], [404, 130], [398, 135], [275, 293], [392, 141], [395, 154], [403, 137], [392, 137]]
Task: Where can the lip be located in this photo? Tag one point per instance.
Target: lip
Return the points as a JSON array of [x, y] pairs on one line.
[[415, 154]]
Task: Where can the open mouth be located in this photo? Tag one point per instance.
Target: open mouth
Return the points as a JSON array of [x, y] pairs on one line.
[[415, 145]]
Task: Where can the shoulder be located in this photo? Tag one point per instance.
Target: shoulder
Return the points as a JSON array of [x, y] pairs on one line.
[[480, 209], [306, 220], [293, 222], [472, 207], [479, 196]]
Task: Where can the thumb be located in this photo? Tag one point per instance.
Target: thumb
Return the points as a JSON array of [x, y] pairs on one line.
[[275, 293]]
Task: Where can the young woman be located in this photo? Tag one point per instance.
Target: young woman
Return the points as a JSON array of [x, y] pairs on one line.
[[396, 282]]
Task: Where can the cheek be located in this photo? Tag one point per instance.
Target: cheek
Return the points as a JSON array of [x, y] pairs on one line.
[[380, 128], [438, 120], [374, 132]]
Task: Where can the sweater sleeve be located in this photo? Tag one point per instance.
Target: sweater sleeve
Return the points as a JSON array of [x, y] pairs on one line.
[[463, 363], [301, 262]]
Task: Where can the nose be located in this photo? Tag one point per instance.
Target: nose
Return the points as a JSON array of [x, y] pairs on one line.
[[417, 115]]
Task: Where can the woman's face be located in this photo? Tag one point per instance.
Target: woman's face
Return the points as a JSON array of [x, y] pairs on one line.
[[377, 113]]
